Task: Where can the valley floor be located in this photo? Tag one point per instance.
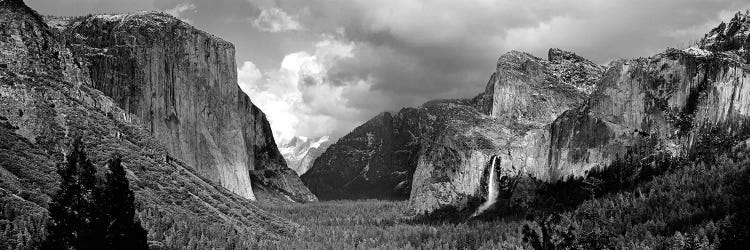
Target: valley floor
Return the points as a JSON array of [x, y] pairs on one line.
[[374, 224]]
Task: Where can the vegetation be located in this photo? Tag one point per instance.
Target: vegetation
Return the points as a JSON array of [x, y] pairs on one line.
[[696, 202], [86, 215], [374, 224]]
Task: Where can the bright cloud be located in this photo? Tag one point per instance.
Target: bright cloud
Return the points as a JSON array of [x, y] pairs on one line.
[[276, 20], [299, 99]]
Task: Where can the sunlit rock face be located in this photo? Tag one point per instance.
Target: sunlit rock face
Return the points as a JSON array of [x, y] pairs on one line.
[[533, 90], [181, 84], [46, 100]]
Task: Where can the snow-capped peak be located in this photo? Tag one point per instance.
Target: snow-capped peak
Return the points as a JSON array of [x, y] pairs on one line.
[[300, 152]]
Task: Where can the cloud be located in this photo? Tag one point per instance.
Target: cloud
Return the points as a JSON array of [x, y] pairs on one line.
[[180, 10], [299, 98], [276, 20]]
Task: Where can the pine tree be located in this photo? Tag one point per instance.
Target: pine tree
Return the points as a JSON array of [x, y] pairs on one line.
[[123, 231], [90, 233], [66, 204], [85, 216]]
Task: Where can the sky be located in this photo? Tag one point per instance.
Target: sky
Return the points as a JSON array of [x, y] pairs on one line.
[[323, 67]]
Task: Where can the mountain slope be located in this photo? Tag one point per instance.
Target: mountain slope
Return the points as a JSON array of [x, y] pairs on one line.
[[46, 100]]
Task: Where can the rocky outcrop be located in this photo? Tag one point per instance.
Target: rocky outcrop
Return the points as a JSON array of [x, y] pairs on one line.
[[535, 91], [301, 152], [181, 84], [47, 99], [446, 145], [733, 37]]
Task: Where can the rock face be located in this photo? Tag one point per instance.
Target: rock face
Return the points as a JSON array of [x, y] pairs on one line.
[[300, 152], [181, 84], [733, 37], [440, 151], [47, 98]]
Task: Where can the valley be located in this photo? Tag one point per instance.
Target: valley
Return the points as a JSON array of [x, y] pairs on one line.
[[630, 210], [554, 152]]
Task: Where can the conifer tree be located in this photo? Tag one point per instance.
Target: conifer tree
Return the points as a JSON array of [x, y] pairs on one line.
[[62, 208], [123, 231], [75, 215]]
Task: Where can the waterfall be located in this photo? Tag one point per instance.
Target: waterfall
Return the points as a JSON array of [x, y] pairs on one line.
[[492, 187]]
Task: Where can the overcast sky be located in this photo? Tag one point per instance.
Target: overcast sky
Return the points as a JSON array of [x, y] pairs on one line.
[[322, 67]]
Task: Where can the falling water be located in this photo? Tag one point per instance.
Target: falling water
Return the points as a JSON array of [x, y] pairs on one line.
[[491, 188]]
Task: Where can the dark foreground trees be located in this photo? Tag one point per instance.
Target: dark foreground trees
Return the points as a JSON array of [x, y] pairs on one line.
[[85, 214]]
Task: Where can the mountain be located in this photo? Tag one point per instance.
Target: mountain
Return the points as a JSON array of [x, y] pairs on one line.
[[300, 152], [181, 84], [153, 90], [370, 162], [523, 96], [450, 141], [548, 120]]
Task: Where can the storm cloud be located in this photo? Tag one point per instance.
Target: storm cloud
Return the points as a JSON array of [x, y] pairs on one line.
[[322, 67]]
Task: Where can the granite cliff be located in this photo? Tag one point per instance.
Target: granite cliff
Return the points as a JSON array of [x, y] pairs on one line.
[[510, 123], [181, 84], [50, 94]]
